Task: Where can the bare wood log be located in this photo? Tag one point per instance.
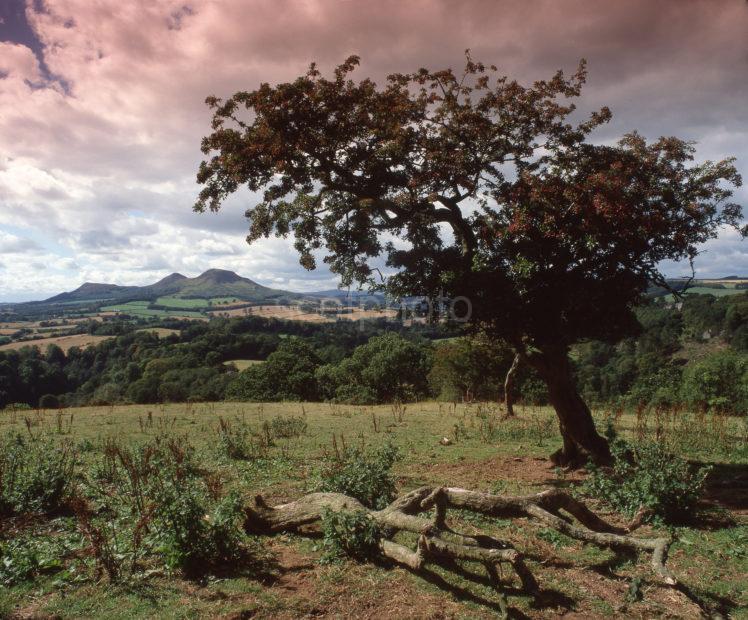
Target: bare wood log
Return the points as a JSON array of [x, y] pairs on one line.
[[402, 555], [434, 534]]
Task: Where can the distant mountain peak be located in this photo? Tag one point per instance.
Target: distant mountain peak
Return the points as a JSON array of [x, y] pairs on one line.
[[211, 283], [220, 276], [172, 277]]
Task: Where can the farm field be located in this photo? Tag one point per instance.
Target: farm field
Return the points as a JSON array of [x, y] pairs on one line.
[[295, 313], [717, 292], [485, 453], [242, 364], [140, 308], [186, 303], [64, 342], [161, 332]]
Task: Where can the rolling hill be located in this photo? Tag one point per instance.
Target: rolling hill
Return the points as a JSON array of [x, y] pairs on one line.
[[212, 283]]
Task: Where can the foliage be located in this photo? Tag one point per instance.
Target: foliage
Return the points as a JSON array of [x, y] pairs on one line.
[[718, 382], [553, 239], [646, 475], [235, 440], [36, 475], [196, 536], [387, 368], [287, 427], [470, 369], [24, 557], [352, 534], [158, 500], [287, 374], [365, 475], [49, 401]]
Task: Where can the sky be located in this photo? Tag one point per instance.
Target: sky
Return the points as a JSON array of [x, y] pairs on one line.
[[102, 111]]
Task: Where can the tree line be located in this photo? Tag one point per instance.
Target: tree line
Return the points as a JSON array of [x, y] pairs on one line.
[[690, 353]]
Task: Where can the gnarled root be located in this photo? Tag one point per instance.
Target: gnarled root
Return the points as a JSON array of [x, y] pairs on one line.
[[436, 540]]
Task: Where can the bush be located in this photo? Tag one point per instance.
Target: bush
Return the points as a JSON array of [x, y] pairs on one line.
[[648, 475], [235, 441], [49, 401], [24, 557], [718, 382], [286, 427], [352, 534], [159, 500], [367, 476], [287, 374], [387, 368], [35, 475], [196, 536]]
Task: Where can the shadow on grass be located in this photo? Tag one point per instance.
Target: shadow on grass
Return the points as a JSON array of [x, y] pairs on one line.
[[727, 485]]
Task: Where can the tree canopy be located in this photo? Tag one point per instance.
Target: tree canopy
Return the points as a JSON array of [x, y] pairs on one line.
[[470, 184]]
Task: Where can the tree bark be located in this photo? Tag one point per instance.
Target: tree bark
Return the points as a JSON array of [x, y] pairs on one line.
[[509, 386], [582, 442]]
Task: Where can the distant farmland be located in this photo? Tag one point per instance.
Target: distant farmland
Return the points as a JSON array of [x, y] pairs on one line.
[[140, 308], [64, 342]]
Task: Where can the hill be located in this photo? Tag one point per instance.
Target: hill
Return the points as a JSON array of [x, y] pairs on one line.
[[212, 283]]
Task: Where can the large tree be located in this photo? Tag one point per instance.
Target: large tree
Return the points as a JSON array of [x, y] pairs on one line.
[[472, 185]]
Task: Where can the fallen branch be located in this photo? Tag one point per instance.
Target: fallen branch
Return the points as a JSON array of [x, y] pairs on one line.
[[437, 541]]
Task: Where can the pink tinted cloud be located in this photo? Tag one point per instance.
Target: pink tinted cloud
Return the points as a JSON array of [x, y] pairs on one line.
[[126, 136]]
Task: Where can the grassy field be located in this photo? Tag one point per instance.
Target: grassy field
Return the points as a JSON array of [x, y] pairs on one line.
[[242, 364], [484, 453], [161, 332], [140, 308], [64, 342], [182, 302], [717, 292]]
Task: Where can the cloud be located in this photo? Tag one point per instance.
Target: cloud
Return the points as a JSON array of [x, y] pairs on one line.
[[101, 143]]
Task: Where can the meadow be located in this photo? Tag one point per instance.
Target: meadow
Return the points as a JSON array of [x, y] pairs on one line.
[[440, 443], [65, 342]]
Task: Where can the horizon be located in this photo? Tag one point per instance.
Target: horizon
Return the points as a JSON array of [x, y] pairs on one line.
[[101, 113], [319, 290]]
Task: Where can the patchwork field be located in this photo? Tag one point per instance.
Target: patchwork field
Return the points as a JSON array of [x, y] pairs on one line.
[[483, 453], [295, 313], [64, 342], [141, 309]]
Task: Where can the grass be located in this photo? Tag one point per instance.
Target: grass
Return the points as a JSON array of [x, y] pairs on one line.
[[243, 364], [161, 332], [140, 308], [178, 302], [64, 342], [485, 454]]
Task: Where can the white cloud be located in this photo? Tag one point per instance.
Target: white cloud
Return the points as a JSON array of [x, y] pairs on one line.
[[99, 157]]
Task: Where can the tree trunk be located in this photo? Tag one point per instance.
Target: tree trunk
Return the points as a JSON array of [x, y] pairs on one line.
[[582, 442], [509, 386]]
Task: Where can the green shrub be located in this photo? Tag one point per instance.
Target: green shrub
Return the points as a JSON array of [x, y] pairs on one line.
[[365, 475], [286, 427], [17, 407], [22, 558], [35, 475], [648, 475], [195, 534], [49, 401], [718, 382], [352, 534], [235, 441], [162, 502]]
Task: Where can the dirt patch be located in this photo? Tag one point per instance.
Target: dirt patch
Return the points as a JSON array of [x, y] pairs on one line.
[[304, 589], [482, 475]]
